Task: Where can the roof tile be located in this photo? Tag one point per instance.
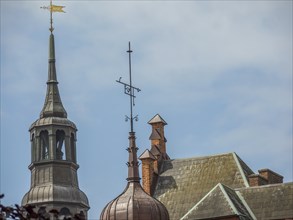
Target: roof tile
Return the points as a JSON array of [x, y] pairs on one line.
[[186, 181]]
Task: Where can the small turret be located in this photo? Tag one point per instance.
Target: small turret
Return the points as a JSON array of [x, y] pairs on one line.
[[157, 136], [153, 158]]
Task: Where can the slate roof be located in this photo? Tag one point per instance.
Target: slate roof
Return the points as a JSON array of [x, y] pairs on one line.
[[184, 182], [221, 201], [273, 201]]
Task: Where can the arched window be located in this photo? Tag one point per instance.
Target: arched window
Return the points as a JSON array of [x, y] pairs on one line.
[[33, 147], [65, 212], [44, 140], [43, 214], [81, 215], [72, 146], [60, 136]]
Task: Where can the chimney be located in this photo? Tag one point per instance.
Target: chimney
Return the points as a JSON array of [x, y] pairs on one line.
[[271, 176], [257, 180], [152, 159], [147, 159], [157, 136], [158, 158], [265, 176]]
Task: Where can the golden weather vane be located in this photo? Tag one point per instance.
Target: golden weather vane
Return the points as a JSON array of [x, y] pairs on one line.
[[53, 8]]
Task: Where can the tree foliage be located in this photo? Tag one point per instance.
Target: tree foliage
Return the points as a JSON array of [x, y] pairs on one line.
[[28, 213]]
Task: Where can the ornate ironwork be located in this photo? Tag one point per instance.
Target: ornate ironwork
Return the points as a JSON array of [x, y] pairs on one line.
[[130, 90]]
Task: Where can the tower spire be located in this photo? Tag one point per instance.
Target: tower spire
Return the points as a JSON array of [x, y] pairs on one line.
[[53, 153], [129, 89], [53, 106]]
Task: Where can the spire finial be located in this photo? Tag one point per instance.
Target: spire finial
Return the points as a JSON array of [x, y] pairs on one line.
[[133, 172], [129, 90], [53, 8]]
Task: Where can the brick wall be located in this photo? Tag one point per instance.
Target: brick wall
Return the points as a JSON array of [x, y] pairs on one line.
[[159, 127], [257, 180], [265, 176], [147, 173]]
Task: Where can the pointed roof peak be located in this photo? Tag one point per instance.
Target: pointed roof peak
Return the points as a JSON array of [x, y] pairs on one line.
[[157, 119], [147, 155], [53, 106], [226, 201]]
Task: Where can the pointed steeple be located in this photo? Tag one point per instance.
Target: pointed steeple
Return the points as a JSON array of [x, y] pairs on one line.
[[53, 106], [54, 179]]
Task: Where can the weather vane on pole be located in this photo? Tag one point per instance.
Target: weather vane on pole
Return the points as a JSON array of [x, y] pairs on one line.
[[53, 8], [129, 90]]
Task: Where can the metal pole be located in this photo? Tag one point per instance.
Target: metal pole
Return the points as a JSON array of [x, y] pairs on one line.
[[51, 17], [131, 89]]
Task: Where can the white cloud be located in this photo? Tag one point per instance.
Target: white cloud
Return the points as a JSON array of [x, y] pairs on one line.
[[220, 73]]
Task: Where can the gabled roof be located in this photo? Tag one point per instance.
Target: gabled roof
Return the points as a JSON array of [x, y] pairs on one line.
[[221, 201], [270, 201], [157, 119], [184, 182]]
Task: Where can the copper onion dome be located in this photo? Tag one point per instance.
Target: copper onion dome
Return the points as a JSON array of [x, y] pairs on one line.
[[133, 203]]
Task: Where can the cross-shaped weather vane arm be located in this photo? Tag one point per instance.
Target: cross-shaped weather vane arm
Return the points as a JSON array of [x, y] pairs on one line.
[[129, 90]]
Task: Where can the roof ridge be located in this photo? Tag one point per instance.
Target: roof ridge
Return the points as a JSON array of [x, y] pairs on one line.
[[236, 158], [241, 202], [223, 189], [203, 157], [245, 204], [265, 186], [228, 199], [202, 199]]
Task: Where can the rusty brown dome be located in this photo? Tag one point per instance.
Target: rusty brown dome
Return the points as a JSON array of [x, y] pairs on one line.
[[134, 203]]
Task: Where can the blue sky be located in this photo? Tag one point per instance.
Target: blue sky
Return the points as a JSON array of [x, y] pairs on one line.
[[219, 73]]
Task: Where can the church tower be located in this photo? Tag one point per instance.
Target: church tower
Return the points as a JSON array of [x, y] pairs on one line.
[[54, 182]]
